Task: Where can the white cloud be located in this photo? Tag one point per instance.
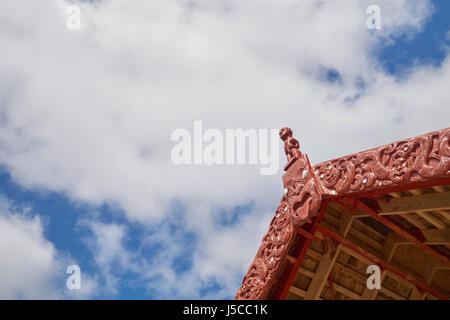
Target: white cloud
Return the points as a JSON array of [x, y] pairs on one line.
[[27, 260], [110, 254], [90, 112], [31, 267], [211, 258]]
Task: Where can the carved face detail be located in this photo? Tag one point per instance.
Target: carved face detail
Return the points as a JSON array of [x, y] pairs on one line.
[[285, 133]]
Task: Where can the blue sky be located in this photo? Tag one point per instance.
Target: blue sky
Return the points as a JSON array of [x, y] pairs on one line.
[[427, 47], [76, 121]]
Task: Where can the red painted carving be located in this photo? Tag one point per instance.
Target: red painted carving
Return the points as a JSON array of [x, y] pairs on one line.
[[303, 193], [291, 147], [408, 161], [423, 158], [273, 249], [299, 205]]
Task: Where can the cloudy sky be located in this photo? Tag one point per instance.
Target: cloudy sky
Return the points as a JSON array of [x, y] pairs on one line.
[[86, 117]]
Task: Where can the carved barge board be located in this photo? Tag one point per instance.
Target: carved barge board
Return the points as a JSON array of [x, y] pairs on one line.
[[411, 163]]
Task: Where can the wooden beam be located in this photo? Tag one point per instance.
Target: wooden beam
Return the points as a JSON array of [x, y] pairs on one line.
[[349, 272], [391, 243], [388, 250], [314, 254], [445, 214], [345, 222], [432, 237], [379, 261], [346, 291], [392, 294], [414, 221], [415, 294], [306, 272], [328, 259], [357, 255], [435, 237], [437, 223], [416, 203], [429, 269], [321, 275], [297, 291], [415, 192], [438, 188], [400, 280], [338, 267], [366, 239]]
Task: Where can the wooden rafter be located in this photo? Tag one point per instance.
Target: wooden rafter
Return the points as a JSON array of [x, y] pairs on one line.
[[432, 237], [388, 251], [415, 203], [328, 260]]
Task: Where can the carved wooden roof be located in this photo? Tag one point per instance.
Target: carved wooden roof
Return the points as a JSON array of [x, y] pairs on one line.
[[388, 206]]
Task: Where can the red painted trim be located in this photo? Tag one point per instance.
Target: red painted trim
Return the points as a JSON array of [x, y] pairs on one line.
[[281, 293], [289, 273], [417, 162], [330, 283], [306, 234], [398, 188]]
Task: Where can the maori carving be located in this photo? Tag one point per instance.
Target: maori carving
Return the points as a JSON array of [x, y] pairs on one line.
[[299, 205], [422, 158], [412, 160], [273, 249], [291, 147], [303, 193]]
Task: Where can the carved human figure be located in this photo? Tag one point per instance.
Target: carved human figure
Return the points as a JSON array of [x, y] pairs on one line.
[[291, 146]]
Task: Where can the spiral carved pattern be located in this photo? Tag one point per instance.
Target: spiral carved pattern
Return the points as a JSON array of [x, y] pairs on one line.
[[273, 248], [413, 160], [298, 206]]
